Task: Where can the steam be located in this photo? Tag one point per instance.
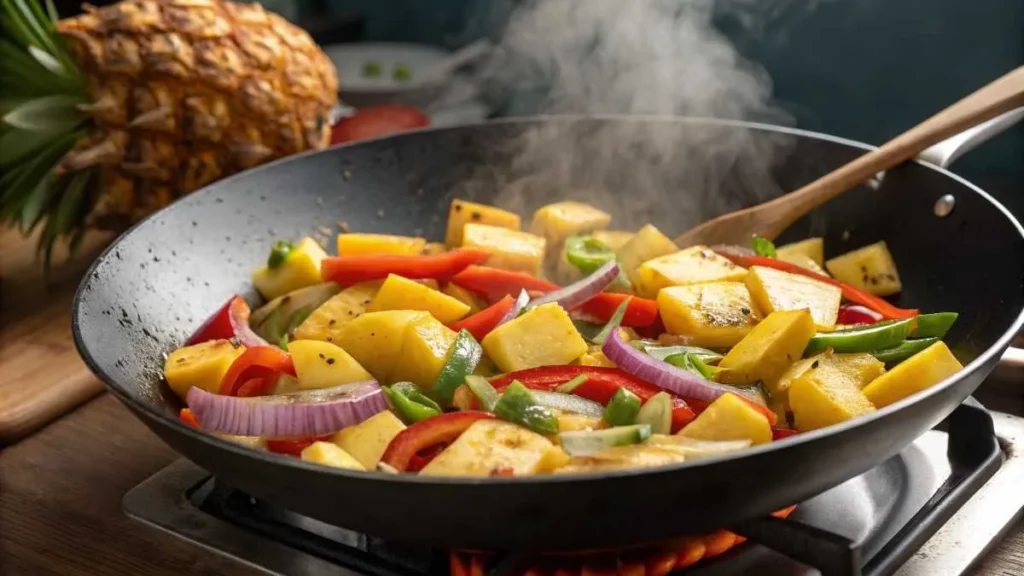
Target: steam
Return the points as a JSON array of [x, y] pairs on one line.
[[651, 58]]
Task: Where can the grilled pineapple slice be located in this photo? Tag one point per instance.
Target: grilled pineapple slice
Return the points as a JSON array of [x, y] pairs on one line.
[[716, 315], [202, 365], [694, 265], [463, 212], [323, 365], [326, 321], [510, 249], [870, 268], [775, 291]]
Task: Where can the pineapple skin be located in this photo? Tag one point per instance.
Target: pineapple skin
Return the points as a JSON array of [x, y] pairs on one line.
[[186, 92]]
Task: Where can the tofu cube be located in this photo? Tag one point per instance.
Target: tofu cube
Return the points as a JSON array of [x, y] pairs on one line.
[[556, 222], [202, 365], [813, 248], [325, 323], [729, 418], [714, 315], [362, 244], [768, 349], [368, 440], [919, 372], [463, 212], [330, 455], [775, 291], [375, 339], [398, 293], [694, 265], [870, 268], [300, 269], [543, 336], [648, 244], [321, 364], [425, 347], [510, 249], [614, 239], [803, 261], [826, 389], [488, 446]]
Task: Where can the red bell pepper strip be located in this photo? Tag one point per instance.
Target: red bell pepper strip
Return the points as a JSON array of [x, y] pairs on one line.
[[481, 323], [262, 364], [854, 315], [443, 428], [494, 284], [346, 270], [216, 327], [780, 433], [420, 459], [188, 417], [293, 446], [849, 292]]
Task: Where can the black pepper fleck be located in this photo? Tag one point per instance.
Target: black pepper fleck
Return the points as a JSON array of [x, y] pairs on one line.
[[373, 334], [814, 365], [333, 321], [745, 311], [321, 356], [236, 342], [330, 338], [458, 207], [330, 360], [476, 216]]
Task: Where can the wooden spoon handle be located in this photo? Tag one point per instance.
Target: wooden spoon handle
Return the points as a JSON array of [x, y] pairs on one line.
[[998, 97]]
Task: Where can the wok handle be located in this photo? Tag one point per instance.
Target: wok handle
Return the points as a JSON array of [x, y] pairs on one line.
[[944, 153]]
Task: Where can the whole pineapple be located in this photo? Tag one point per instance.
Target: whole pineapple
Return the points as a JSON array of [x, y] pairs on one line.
[[110, 115]]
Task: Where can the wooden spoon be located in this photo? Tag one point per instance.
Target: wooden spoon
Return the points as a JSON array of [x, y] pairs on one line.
[[771, 218]]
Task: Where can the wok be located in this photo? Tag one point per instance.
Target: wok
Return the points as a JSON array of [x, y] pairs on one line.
[[157, 283]]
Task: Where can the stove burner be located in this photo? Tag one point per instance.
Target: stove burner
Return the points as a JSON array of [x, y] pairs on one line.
[[933, 509]]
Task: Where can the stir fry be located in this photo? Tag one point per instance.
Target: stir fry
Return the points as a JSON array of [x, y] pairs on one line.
[[567, 348]]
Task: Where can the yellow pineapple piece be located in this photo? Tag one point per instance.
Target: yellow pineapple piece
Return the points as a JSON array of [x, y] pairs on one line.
[[556, 222], [360, 244], [202, 365], [330, 455], [299, 270], [826, 389], [715, 315], [326, 321], [434, 248], [543, 336], [614, 239], [648, 244], [468, 298], [813, 248], [694, 265], [774, 291], [729, 418], [463, 212], [368, 440], [768, 349], [510, 249], [490, 445], [919, 372], [425, 347], [398, 293], [803, 261], [323, 365], [596, 358], [375, 339], [870, 268]]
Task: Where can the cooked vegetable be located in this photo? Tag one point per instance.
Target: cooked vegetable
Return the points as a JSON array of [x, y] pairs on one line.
[[587, 254], [570, 386], [362, 244], [330, 455], [460, 362], [657, 413], [623, 457], [919, 372], [368, 440], [326, 321], [828, 390], [775, 291], [558, 221], [410, 404], [716, 314], [423, 352], [663, 352], [253, 373], [579, 292], [481, 323], [279, 252], [488, 446], [648, 244], [542, 336], [509, 249], [399, 293], [308, 413], [566, 402], [622, 409], [203, 365], [299, 269], [730, 418], [615, 239], [870, 268], [346, 270], [425, 434], [613, 323], [694, 449], [770, 347], [323, 365], [763, 246], [694, 265], [855, 314], [475, 302], [933, 325], [484, 392], [517, 405], [372, 69], [289, 305], [904, 350], [692, 363], [811, 248], [289, 446], [863, 339], [375, 340], [463, 212], [585, 443]]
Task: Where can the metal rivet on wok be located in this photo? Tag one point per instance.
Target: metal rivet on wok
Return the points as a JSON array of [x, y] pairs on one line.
[[944, 205]]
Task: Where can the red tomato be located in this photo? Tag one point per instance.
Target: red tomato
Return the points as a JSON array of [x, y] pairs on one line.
[[377, 121]]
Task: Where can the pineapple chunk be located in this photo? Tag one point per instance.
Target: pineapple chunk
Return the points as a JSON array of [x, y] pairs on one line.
[[577, 422], [647, 244], [596, 358], [468, 298], [870, 268], [614, 239], [368, 440], [202, 365], [812, 248], [300, 269], [694, 265], [556, 222], [729, 418], [462, 213], [330, 455], [399, 293], [543, 336], [510, 249], [375, 339], [425, 347], [326, 321], [803, 261], [826, 389], [359, 244], [623, 458], [922, 370], [490, 445], [321, 364], [774, 291], [716, 315], [768, 349]]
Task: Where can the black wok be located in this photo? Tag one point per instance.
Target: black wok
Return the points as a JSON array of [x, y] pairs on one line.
[[160, 280]]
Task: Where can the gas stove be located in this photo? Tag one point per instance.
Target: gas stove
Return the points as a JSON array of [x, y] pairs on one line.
[[934, 509]]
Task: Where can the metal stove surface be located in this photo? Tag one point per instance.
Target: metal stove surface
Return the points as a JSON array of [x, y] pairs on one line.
[[923, 512]]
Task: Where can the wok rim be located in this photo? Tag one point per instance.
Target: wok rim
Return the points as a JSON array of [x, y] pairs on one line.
[[270, 458]]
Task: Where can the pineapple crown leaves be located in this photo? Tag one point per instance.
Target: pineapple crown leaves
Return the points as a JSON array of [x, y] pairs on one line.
[[40, 121]]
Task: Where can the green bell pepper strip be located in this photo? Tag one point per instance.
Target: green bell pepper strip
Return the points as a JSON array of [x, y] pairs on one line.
[[763, 246], [663, 352], [613, 323], [904, 350], [279, 253], [933, 325], [407, 402], [692, 363], [571, 385], [657, 412], [587, 254], [463, 356], [518, 406], [622, 409], [483, 391], [864, 339]]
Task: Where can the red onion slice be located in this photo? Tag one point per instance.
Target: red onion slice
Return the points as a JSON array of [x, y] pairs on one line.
[[664, 375], [238, 314], [306, 413], [521, 301], [580, 291]]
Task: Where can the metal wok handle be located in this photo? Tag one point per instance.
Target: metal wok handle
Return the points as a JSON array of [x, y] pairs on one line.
[[943, 154]]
